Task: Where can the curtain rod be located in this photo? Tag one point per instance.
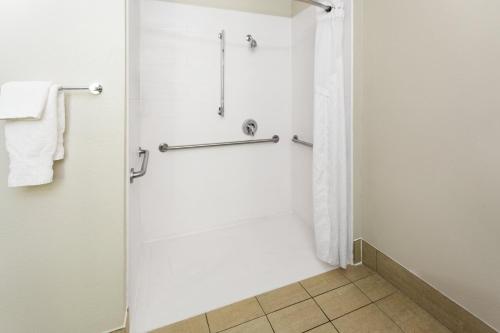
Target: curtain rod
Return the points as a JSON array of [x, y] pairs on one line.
[[318, 4]]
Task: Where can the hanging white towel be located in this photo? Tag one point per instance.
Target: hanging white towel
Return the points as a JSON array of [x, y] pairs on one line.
[[33, 145], [332, 188], [61, 125], [24, 100]]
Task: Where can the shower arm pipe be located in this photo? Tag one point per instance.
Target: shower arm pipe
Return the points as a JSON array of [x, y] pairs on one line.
[[318, 4], [304, 143], [222, 37], [165, 147]]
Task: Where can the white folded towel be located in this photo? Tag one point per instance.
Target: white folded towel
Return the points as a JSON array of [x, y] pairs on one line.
[[24, 100], [34, 145]]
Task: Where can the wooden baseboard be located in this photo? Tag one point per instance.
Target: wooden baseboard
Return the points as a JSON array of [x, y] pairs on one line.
[[449, 313]]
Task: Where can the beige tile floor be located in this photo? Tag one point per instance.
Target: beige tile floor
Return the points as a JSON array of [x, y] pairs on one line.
[[356, 300]]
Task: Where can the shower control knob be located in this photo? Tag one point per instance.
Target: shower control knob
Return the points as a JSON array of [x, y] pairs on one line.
[[250, 127], [251, 41]]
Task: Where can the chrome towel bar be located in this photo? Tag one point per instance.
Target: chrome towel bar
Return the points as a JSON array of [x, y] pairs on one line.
[[144, 167], [165, 147], [300, 142], [95, 88]]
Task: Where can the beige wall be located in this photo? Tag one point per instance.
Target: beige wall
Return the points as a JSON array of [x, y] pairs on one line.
[[62, 258], [297, 7], [357, 122], [430, 135], [270, 7]]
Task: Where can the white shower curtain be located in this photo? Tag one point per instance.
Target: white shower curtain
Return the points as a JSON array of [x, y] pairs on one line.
[[332, 185]]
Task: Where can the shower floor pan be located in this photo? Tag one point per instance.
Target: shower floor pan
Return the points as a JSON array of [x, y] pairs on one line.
[[186, 276]]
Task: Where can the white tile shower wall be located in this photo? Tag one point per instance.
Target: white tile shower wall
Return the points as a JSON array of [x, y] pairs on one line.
[[197, 190], [303, 40]]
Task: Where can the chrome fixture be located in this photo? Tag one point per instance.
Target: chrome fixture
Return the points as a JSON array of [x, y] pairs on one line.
[[165, 147], [222, 37], [252, 41], [95, 88], [305, 143], [250, 127], [144, 167], [318, 4]]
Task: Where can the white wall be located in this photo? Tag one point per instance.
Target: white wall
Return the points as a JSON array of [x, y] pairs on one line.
[[62, 246], [303, 43], [197, 190], [135, 229], [431, 128]]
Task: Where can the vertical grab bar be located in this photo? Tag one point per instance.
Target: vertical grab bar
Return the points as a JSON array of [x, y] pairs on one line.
[[222, 37], [144, 167]]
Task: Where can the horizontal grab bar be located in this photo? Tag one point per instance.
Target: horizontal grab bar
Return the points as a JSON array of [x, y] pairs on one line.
[[305, 143], [165, 147]]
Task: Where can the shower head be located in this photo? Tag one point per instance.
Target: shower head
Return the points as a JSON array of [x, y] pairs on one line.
[[252, 41]]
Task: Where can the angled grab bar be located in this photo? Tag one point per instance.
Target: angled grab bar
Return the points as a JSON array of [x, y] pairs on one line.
[[144, 167], [305, 143], [165, 147]]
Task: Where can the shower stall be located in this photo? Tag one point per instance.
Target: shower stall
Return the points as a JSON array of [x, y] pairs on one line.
[[220, 106]]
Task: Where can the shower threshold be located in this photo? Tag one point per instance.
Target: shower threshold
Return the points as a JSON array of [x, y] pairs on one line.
[[185, 276]]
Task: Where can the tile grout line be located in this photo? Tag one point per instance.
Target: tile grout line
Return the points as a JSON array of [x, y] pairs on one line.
[[340, 270], [345, 314], [315, 327], [397, 290], [326, 292], [387, 315], [270, 324], [283, 308], [314, 300], [245, 322], [370, 271], [288, 306], [350, 282], [208, 324], [317, 304], [348, 313], [386, 296], [310, 297], [375, 302], [265, 314]]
